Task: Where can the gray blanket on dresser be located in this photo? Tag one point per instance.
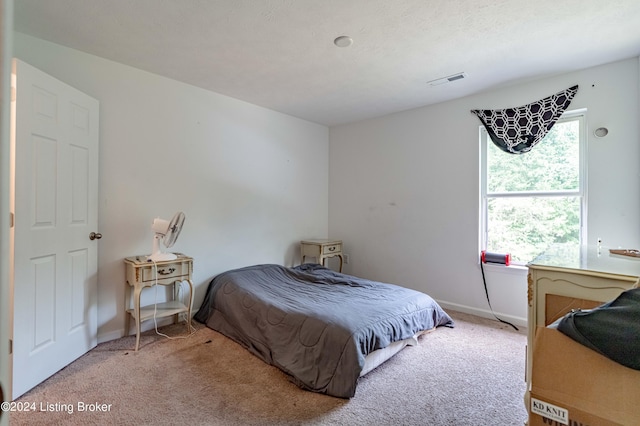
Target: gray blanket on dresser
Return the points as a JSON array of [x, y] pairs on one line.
[[315, 324]]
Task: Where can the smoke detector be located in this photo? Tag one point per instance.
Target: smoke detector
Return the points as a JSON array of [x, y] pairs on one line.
[[343, 41]]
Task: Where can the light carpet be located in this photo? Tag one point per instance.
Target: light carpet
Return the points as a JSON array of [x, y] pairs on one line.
[[472, 374]]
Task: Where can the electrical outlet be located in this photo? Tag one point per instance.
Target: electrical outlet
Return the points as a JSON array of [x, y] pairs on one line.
[[346, 258]]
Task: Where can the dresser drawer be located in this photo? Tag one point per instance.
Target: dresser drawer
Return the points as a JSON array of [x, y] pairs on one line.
[[175, 271], [334, 248]]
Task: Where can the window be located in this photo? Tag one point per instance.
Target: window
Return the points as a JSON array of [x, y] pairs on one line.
[[535, 199]]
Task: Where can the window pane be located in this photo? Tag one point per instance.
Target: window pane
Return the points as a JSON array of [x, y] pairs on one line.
[[551, 165], [527, 226]]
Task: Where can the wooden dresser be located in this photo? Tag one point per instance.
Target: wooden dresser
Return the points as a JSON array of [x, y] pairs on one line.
[[571, 277]]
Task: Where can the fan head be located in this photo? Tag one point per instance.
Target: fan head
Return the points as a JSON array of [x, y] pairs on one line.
[[168, 232]]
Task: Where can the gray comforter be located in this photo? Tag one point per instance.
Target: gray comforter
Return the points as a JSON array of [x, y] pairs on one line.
[[315, 324]]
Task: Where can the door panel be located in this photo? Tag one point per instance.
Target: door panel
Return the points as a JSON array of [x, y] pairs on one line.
[[55, 198], [40, 297]]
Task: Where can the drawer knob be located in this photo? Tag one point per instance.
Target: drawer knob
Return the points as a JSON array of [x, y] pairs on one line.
[[163, 272]]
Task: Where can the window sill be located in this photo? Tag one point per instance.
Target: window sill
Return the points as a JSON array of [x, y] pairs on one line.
[[520, 270]]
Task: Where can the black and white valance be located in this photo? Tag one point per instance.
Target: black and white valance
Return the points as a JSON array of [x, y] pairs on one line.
[[517, 130]]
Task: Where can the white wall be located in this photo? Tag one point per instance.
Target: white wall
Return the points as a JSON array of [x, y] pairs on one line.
[[404, 188], [252, 182], [400, 190]]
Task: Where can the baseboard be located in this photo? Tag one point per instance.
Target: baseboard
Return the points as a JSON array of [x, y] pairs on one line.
[[483, 313], [112, 335], [144, 326]]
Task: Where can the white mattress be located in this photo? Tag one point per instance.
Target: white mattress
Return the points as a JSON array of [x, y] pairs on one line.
[[377, 357]]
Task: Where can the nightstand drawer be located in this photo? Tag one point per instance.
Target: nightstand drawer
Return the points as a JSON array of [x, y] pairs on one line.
[[175, 271], [334, 248]]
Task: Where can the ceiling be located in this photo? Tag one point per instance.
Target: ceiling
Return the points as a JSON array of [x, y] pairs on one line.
[[280, 54]]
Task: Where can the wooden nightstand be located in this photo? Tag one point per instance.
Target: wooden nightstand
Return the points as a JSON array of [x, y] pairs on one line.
[[141, 273], [321, 250]]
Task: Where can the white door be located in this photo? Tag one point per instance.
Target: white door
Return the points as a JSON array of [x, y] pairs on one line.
[[55, 204]]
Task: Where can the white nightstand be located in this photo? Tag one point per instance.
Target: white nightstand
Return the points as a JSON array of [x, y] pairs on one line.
[[321, 250], [141, 273]]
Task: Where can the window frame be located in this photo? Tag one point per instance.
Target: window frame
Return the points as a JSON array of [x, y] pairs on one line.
[[581, 116]]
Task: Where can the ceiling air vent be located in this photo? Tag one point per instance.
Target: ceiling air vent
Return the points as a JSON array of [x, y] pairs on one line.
[[448, 79]]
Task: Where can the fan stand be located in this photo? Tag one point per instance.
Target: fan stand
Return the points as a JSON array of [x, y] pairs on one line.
[[157, 255]]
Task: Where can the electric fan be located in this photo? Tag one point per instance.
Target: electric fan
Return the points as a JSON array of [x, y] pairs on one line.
[[168, 232]]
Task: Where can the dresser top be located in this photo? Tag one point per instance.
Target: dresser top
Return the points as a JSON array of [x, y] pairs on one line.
[[591, 258]]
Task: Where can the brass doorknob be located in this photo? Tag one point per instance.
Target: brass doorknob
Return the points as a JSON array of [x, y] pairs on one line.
[[95, 236]]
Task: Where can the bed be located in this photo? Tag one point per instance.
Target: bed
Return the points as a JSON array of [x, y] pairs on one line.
[[324, 329]]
